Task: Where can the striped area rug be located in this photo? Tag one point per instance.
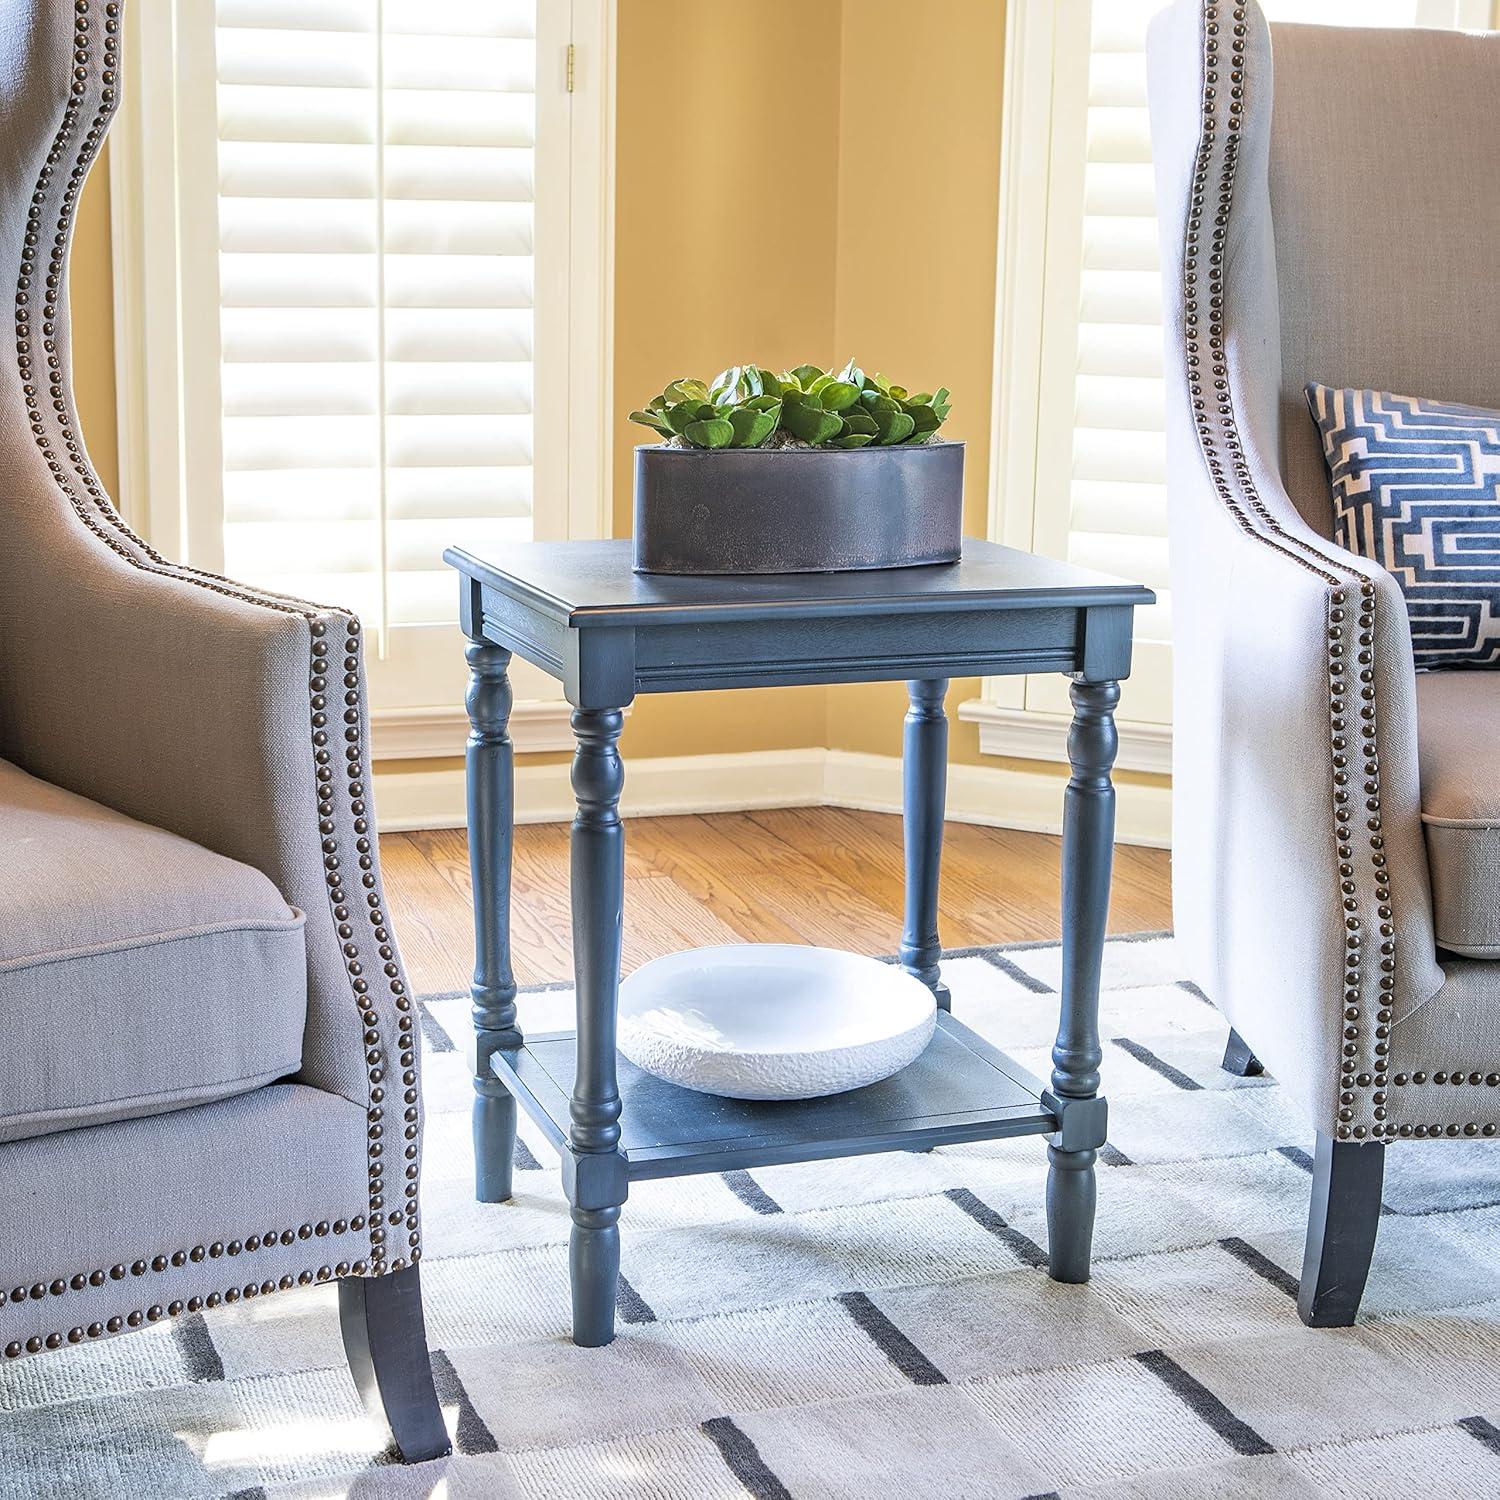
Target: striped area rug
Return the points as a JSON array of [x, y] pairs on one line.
[[874, 1326]]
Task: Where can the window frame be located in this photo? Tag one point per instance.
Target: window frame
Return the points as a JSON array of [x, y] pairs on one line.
[[165, 261]]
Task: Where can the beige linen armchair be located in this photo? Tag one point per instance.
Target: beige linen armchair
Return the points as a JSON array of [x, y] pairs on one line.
[[1336, 816], [208, 1088]]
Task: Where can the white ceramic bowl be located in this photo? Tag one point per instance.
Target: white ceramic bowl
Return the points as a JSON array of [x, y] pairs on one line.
[[772, 1020]]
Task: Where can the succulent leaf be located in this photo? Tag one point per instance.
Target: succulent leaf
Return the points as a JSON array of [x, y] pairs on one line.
[[769, 384], [752, 426], [653, 420], [806, 374], [857, 419], [685, 390], [811, 423], [851, 374], [838, 394], [711, 432], [685, 412], [897, 428], [852, 440]]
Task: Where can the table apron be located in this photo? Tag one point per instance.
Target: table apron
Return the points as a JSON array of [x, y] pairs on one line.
[[608, 667], [761, 653]]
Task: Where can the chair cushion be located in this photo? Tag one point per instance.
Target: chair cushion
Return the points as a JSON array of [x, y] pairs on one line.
[[1458, 727], [138, 972], [1416, 488]]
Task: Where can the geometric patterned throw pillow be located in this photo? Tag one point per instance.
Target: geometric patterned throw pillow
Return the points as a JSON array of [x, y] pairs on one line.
[[1416, 488]]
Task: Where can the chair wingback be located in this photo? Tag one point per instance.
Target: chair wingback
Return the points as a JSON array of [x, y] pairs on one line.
[[1301, 895], [59, 72], [1386, 218]]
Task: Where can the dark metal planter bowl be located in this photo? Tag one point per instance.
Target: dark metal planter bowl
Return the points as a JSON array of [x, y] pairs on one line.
[[797, 510]]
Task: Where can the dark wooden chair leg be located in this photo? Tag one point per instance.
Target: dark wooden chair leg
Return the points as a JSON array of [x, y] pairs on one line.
[[1341, 1228], [385, 1340], [924, 780], [1087, 854], [491, 796], [1239, 1059]]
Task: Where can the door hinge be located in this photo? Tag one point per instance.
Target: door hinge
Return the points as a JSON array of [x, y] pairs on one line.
[[571, 55]]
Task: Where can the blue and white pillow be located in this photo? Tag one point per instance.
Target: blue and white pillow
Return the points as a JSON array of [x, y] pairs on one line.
[[1416, 488]]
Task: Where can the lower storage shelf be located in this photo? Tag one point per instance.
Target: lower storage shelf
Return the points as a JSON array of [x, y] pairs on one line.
[[959, 1089]]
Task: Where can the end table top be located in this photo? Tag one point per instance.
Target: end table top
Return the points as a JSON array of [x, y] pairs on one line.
[[592, 583]]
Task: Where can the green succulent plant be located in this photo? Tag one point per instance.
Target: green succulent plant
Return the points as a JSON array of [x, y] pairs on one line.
[[743, 406]]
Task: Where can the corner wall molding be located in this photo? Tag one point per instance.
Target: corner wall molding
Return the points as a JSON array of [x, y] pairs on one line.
[[426, 733], [1026, 734], [998, 796]]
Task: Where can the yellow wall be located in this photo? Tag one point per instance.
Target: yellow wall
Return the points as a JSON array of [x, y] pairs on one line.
[[726, 193], [919, 182], [774, 201]]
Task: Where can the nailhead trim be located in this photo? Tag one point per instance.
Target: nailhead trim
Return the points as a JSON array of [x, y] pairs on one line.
[[1486, 1080], [54, 429], [79, 1333], [82, 1281]]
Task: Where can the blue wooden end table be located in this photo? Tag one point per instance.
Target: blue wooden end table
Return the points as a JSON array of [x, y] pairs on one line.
[[578, 611]]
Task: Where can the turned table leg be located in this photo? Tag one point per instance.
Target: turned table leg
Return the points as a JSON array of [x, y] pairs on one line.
[[924, 788], [1087, 849], [594, 1168], [491, 796]]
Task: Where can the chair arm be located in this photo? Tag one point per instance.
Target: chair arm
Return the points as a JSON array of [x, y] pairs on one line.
[[237, 720], [1301, 892]]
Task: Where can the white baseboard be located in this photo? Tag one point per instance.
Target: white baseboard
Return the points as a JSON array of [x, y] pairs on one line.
[[1001, 798], [996, 797], [1026, 734], [423, 733]]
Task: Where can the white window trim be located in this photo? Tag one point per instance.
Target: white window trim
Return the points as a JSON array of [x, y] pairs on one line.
[[168, 433], [1032, 29]]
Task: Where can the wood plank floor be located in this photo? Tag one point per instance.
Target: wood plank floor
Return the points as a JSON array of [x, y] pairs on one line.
[[815, 875]]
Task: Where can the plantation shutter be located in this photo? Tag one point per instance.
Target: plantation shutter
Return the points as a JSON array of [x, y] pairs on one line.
[[376, 167], [1101, 497], [1101, 463]]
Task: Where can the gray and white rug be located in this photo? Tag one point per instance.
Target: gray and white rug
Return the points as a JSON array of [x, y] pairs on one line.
[[862, 1327]]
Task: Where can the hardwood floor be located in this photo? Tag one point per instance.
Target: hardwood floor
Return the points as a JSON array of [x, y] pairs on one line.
[[815, 875]]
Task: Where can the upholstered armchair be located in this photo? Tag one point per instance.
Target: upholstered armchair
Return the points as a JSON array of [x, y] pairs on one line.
[[1326, 214], [208, 1087]]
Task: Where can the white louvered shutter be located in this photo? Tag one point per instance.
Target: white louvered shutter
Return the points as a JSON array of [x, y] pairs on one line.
[[1101, 497], [376, 182]]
